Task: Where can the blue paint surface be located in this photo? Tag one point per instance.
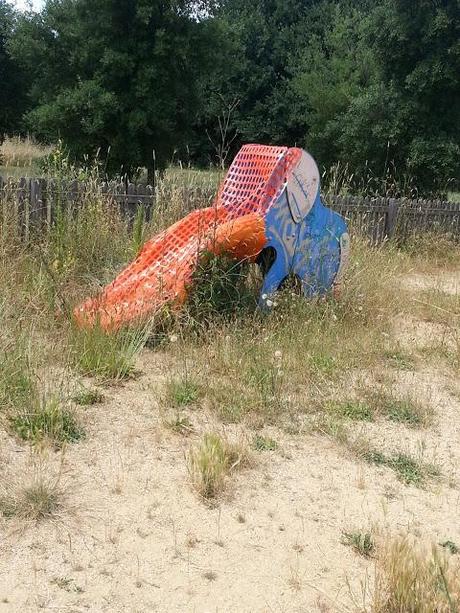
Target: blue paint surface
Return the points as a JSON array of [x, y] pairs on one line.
[[310, 249]]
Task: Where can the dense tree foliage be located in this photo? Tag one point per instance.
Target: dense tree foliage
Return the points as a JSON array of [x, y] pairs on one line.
[[115, 76], [417, 46], [12, 85], [372, 84]]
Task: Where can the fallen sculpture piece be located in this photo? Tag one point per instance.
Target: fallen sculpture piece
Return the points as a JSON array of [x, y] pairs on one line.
[[269, 203]]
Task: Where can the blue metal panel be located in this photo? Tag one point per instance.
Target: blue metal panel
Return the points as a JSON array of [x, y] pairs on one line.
[[310, 248]]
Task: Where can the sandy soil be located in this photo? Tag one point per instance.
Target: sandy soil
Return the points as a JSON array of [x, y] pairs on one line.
[[448, 282], [133, 536]]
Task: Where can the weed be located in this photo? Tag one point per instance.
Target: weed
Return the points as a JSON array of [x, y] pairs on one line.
[[66, 583], [352, 410], [88, 397], [218, 289], [230, 413], [264, 443], [404, 411], [400, 360], [412, 471], [181, 424], [330, 426], [17, 382], [210, 575], [182, 392], [47, 420], [40, 499], [265, 379], [212, 461], [362, 542], [324, 364], [375, 457], [409, 470], [191, 541], [407, 410], [227, 401], [451, 547], [109, 355]]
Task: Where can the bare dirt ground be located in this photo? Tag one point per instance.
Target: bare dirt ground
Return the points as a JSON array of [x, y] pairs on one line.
[[133, 536]]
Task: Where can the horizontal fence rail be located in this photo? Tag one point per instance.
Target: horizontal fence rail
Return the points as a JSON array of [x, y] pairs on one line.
[[35, 202]]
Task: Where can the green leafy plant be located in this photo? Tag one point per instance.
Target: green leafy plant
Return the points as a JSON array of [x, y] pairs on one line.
[[47, 420], [362, 542], [264, 443], [88, 397], [182, 392]]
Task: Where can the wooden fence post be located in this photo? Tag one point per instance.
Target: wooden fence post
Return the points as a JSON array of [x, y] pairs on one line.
[[392, 215]]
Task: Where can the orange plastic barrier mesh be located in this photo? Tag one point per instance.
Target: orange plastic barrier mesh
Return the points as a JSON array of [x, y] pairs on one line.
[[234, 224]]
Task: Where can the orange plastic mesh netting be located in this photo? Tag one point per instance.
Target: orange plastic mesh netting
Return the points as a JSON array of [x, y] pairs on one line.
[[165, 265]]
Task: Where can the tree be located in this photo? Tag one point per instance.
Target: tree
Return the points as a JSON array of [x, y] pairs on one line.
[[417, 49], [333, 68], [12, 98], [251, 66], [115, 76]]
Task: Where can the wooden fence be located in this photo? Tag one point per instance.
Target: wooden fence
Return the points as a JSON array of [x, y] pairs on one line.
[[34, 202]]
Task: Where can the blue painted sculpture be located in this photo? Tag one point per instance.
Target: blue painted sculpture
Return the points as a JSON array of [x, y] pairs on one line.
[[309, 240]]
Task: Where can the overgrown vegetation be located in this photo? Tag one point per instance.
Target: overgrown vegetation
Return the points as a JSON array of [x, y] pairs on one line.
[[232, 379], [294, 369]]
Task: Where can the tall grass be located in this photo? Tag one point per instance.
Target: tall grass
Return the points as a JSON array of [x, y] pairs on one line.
[[22, 153], [107, 355], [269, 368], [412, 579]]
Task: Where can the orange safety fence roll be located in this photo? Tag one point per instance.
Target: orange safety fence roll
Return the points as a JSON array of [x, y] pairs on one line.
[[234, 225]]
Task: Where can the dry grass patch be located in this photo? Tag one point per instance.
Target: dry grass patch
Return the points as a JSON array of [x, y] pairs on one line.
[[415, 580], [430, 251], [22, 152], [212, 461], [38, 498], [437, 306]]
